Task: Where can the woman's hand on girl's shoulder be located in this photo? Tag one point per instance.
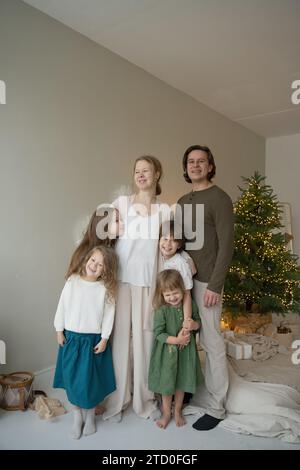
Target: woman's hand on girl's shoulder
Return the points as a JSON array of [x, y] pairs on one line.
[[60, 338], [101, 346]]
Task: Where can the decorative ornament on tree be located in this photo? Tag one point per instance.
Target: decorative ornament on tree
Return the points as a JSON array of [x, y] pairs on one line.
[[264, 276]]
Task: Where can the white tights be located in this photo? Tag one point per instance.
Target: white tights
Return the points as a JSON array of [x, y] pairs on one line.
[[83, 422]]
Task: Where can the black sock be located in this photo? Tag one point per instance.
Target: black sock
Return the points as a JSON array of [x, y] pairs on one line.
[[187, 397], [206, 422]]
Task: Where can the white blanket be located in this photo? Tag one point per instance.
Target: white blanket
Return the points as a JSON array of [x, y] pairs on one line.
[[261, 409], [275, 370]]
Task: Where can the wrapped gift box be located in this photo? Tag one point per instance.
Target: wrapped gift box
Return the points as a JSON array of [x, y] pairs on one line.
[[228, 334], [238, 349]]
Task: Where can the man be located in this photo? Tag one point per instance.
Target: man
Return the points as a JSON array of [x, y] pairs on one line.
[[212, 262]]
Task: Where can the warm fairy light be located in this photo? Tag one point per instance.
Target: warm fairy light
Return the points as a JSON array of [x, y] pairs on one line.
[[224, 324], [262, 271]]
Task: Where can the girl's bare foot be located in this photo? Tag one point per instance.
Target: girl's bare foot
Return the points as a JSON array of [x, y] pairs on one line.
[[163, 422], [100, 409], [179, 419]]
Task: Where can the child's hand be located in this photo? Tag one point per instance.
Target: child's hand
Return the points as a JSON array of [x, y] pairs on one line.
[[60, 338], [101, 346], [187, 324], [185, 332], [183, 338], [190, 325]]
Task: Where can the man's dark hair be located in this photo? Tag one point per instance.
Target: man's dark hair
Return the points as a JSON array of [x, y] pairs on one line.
[[210, 159]]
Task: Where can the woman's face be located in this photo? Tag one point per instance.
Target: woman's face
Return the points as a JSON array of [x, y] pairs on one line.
[[145, 176]]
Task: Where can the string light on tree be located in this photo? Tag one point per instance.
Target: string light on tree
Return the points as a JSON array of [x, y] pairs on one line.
[[263, 272]]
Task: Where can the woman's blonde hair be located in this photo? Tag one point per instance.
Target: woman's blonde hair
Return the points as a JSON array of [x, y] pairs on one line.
[[169, 279], [157, 169], [110, 269]]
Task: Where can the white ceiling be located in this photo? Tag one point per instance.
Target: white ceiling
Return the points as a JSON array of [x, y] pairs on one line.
[[239, 57]]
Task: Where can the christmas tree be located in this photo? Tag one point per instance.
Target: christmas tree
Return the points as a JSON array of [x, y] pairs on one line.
[[264, 276]]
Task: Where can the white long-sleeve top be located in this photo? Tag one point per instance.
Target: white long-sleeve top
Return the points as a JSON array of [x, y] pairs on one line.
[[180, 263], [83, 307], [136, 248]]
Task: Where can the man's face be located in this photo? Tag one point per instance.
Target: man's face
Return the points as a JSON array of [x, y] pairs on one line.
[[198, 166]]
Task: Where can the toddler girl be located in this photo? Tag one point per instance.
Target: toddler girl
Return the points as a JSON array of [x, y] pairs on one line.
[[173, 371]]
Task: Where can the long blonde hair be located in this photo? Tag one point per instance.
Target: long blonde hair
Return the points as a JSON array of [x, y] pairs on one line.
[[110, 269], [169, 279]]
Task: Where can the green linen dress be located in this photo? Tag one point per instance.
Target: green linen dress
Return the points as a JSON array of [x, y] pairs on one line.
[[172, 368]]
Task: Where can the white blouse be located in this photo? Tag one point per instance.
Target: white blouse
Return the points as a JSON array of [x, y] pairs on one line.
[[137, 247], [83, 307]]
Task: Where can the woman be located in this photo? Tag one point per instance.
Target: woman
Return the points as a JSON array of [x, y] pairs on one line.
[[137, 253]]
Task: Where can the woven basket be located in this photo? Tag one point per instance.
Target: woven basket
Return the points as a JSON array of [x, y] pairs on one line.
[[16, 390]]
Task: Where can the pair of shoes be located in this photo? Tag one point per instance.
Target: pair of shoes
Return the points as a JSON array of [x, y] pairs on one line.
[[206, 422]]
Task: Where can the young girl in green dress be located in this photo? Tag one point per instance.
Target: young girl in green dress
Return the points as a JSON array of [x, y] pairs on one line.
[[174, 365]]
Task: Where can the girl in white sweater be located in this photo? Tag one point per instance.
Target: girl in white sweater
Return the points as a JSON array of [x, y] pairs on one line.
[[83, 322]]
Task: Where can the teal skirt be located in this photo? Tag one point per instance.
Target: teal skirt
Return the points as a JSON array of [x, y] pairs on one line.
[[87, 377]]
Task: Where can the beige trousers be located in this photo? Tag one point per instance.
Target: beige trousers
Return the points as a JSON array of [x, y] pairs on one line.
[[132, 305], [216, 372]]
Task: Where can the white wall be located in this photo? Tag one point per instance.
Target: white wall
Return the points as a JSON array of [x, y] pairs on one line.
[[282, 171], [76, 118]]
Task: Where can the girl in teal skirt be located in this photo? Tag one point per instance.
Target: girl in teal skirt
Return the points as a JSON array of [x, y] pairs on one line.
[[174, 365], [83, 322]]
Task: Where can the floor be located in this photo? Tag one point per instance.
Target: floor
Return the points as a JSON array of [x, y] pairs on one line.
[[26, 430]]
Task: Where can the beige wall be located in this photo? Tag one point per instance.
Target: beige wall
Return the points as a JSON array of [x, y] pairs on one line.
[[76, 117], [282, 170]]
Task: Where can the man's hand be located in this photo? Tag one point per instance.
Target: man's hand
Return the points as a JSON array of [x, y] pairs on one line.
[[211, 298]]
